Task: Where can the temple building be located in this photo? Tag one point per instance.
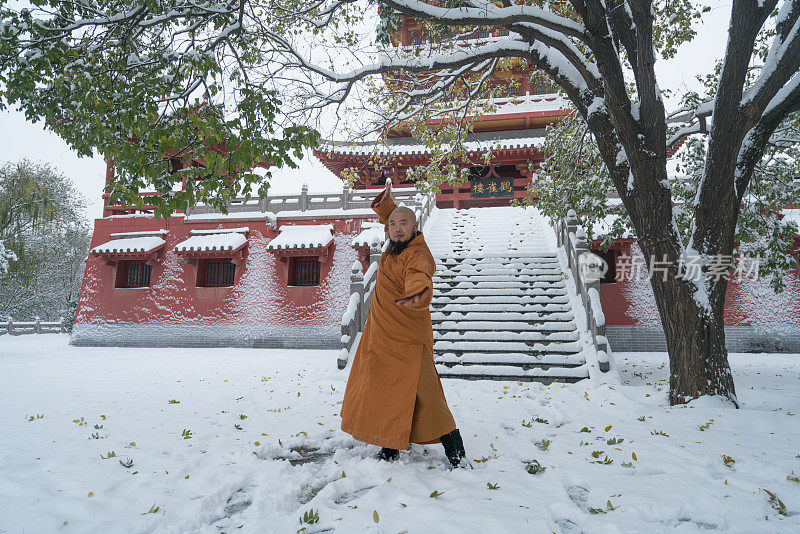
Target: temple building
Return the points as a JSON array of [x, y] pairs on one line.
[[296, 270]]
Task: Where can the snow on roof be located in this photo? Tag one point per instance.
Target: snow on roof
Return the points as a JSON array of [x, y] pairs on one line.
[[146, 233], [302, 236], [230, 215], [240, 230], [223, 239], [131, 215], [332, 212], [476, 142], [123, 245], [371, 235], [286, 214], [143, 215], [527, 104]]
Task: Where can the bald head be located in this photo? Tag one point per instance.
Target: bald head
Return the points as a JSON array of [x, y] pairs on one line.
[[402, 224], [404, 211]]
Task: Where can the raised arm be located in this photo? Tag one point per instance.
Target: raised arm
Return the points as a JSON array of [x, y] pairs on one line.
[[383, 205]]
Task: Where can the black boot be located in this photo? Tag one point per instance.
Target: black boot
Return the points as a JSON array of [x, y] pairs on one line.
[[388, 455], [454, 448]]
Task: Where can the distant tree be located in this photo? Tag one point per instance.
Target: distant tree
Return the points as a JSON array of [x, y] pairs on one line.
[[164, 89], [6, 256], [42, 226]]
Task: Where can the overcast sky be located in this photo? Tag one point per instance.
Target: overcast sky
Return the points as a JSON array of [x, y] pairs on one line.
[[20, 139]]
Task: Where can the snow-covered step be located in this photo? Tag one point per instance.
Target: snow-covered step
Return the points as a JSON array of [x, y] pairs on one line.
[[501, 308], [500, 282], [519, 359], [446, 285], [498, 308], [505, 326], [494, 281], [482, 258], [443, 299], [501, 317], [513, 373], [542, 346], [507, 260], [554, 276], [482, 292], [499, 336], [498, 269], [465, 258]]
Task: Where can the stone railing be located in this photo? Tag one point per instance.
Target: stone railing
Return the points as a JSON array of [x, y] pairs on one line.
[[355, 316], [424, 206], [305, 201], [362, 285], [37, 326], [585, 268]]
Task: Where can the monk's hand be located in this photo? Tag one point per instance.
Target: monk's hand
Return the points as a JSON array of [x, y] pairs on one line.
[[386, 192], [410, 301]]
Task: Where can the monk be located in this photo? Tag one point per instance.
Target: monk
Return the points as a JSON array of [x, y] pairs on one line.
[[394, 396]]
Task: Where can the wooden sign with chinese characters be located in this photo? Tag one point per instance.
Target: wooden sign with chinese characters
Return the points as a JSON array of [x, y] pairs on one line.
[[492, 187]]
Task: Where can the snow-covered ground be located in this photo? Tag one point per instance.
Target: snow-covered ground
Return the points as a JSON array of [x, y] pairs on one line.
[[211, 437]]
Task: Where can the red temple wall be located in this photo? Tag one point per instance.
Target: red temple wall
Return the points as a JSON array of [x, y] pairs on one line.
[[259, 296], [747, 302]]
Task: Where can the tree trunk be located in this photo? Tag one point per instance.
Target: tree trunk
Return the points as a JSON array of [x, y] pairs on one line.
[[698, 357]]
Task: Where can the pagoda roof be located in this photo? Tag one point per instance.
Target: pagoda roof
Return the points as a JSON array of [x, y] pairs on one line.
[[475, 142]]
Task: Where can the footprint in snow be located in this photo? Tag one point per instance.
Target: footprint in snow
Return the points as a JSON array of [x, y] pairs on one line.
[[579, 495], [510, 430], [568, 527], [311, 490], [238, 502], [352, 495]]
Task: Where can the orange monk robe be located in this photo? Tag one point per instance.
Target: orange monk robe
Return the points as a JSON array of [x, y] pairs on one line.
[[394, 395]]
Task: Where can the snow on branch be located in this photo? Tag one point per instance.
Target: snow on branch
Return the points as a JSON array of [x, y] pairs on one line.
[[439, 61], [485, 12], [783, 58], [568, 59], [785, 101]]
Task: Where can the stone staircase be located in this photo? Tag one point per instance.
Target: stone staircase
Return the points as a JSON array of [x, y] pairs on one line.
[[502, 307]]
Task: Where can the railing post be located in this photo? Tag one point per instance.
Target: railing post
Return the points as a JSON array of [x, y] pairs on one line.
[[582, 241], [580, 248], [572, 221], [591, 284], [571, 228], [10, 326], [357, 286], [62, 328], [37, 327], [374, 253], [345, 197], [304, 198]]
